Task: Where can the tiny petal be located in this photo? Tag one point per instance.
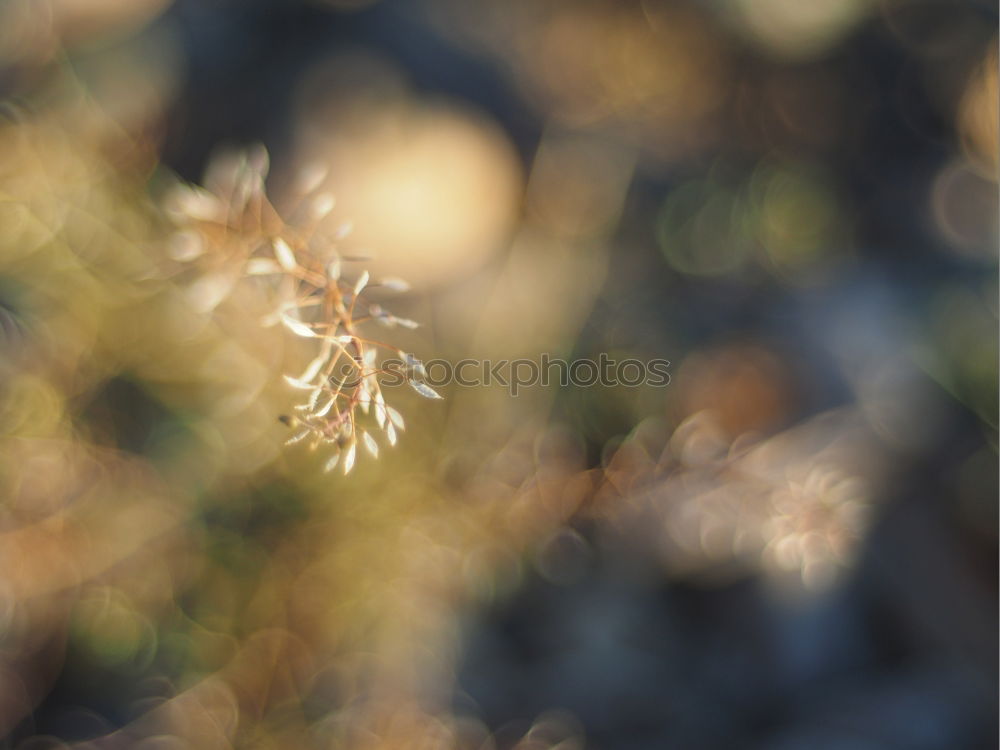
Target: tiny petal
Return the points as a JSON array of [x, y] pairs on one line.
[[370, 444], [262, 267], [325, 409], [284, 254], [314, 398], [424, 390], [298, 327], [406, 323], [298, 437], [349, 456], [333, 269], [195, 203], [361, 283], [331, 464], [395, 417], [390, 433]]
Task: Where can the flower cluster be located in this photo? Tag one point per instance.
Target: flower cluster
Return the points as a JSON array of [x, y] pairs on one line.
[[231, 230]]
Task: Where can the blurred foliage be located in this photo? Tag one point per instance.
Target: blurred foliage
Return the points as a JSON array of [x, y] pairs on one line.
[[795, 203]]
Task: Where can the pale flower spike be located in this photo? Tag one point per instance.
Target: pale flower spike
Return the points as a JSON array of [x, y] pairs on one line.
[[230, 229]]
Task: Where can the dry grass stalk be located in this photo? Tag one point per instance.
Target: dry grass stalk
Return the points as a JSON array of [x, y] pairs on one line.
[[230, 229]]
